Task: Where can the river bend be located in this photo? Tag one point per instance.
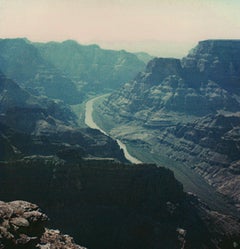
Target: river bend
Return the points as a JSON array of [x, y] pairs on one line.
[[92, 124]]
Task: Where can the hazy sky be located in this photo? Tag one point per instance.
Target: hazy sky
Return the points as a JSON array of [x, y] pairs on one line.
[[161, 27]]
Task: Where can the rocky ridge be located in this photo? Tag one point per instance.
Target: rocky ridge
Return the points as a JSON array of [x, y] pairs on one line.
[[90, 67], [23, 225], [67, 71], [22, 62], [187, 110]]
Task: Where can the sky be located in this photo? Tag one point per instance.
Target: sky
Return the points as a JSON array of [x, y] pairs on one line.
[[168, 28]]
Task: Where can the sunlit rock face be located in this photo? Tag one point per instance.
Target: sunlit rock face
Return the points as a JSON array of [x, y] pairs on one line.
[[190, 110]]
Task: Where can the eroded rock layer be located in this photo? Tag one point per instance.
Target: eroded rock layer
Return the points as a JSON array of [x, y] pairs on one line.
[[187, 110]]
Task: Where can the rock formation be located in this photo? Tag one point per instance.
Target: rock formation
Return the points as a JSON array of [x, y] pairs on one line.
[[31, 125], [23, 225], [67, 71], [76, 175], [90, 67], [104, 204], [22, 62], [188, 110]]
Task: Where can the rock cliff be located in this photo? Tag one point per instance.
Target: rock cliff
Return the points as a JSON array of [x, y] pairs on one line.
[[90, 67], [186, 110], [22, 62], [31, 125], [67, 71], [215, 60], [110, 205]]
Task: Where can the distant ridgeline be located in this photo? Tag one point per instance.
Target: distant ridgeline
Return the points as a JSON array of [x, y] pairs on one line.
[[66, 70], [190, 111]]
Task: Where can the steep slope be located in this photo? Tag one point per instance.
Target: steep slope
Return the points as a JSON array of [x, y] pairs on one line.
[[35, 125], [110, 205], [215, 60], [91, 67], [16, 104], [186, 111], [22, 62], [145, 57]]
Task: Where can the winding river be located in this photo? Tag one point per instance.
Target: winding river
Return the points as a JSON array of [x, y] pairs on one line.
[[195, 182], [91, 123]]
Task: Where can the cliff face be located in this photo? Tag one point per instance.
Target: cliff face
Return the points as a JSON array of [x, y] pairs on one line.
[[108, 205], [21, 110], [67, 71], [215, 60], [189, 110], [158, 69], [91, 68], [22, 225], [22, 62]]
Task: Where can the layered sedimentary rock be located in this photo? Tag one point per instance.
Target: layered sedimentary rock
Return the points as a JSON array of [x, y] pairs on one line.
[[67, 71], [90, 67], [215, 60], [31, 125], [22, 62], [188, 110]]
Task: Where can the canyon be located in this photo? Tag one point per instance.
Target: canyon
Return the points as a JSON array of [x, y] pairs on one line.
[[184, 112], [179, 114]]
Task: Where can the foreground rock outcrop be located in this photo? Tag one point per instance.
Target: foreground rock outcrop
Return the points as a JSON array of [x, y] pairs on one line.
[[185, 111], [104, 204], [23, 225]]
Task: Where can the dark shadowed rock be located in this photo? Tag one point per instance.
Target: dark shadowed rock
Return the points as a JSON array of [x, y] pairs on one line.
[[215, 60], [31, 125], [160, 68], [104, 204], [22, 225]]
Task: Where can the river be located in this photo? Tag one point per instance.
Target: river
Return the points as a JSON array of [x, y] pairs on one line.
[[91, 123], [191, 179]]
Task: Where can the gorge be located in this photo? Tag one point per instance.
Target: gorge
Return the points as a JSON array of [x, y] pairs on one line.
[[179, 114], [92, 124], [184, 112]]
